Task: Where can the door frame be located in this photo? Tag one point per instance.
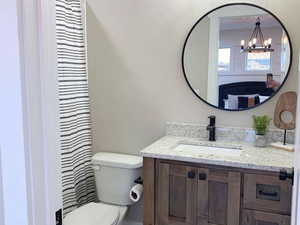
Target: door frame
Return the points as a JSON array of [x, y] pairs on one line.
[[296, 188], [37, 35], [2, 219]]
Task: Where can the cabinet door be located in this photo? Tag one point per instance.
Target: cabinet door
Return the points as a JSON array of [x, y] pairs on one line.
[[252, 217], [176, 194], [218, 197]]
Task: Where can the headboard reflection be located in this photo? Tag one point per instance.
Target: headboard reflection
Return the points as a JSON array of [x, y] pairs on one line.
[[243, 88]]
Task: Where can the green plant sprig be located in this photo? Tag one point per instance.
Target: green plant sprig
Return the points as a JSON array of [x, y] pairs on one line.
[[260, 124]]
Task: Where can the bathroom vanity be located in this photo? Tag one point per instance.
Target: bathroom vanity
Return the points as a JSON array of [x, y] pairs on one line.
[[227, 184], [191, 181]]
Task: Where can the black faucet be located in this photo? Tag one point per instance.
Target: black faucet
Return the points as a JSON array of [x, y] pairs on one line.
[[212, 128]]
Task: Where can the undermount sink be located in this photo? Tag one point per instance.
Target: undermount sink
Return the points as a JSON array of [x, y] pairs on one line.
[[209, 149]]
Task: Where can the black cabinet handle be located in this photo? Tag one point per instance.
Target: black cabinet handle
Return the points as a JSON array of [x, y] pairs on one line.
[[202, 176], [191, 174], [270, 194], [284, 175]]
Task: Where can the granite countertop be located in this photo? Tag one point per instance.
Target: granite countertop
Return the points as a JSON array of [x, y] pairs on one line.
[[269, 159]]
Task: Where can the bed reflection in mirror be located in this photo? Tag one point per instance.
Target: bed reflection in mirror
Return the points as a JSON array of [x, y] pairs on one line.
[[237, 57]]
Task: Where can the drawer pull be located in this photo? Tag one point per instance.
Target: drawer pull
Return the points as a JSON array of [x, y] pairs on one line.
[[270, 194], [202, 176], [191, 174]]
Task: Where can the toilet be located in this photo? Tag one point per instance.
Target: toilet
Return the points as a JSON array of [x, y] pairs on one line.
[[115, 175]]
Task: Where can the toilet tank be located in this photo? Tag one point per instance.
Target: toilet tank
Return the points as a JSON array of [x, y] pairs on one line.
[[115, 175]]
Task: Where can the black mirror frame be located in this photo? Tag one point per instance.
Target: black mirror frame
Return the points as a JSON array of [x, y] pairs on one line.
[[222, 6]]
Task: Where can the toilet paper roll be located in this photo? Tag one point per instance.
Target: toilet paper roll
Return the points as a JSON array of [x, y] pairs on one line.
[[136, 192]]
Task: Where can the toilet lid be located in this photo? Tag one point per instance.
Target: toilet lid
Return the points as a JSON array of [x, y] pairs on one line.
[[94, 214]]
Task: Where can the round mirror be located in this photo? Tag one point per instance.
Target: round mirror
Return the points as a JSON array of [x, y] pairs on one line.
[[237, 57]]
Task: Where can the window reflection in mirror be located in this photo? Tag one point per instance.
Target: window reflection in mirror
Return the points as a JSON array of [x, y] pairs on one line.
[[237, 57], [224, 59], [258, 61]]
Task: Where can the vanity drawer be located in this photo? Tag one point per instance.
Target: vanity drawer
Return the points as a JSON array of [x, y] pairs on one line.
[[252, 217], [267, 193]]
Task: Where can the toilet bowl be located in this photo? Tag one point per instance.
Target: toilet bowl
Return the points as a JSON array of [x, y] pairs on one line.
[[115, 175]]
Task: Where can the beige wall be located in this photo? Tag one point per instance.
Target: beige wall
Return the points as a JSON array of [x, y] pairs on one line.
[[196, 57], [136, 81]]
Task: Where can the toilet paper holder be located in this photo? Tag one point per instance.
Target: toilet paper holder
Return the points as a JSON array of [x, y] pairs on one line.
[[139, 180]]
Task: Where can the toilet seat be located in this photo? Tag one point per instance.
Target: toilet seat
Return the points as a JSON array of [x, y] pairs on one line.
[[94, 214]]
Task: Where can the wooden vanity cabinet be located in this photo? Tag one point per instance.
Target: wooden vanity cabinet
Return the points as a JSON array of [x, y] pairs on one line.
[[253, 217], [267, 193], [266, 201], [190, 195], [218, 197], [178, 193]]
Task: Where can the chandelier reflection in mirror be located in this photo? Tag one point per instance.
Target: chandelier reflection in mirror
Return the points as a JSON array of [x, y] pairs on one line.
[[257, 43], [220, 74]]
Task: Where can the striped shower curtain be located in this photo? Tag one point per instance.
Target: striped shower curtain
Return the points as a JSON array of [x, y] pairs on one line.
[[75, 126]]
